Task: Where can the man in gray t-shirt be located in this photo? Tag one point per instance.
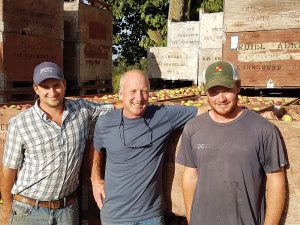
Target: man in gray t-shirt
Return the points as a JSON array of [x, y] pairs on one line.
[[135, 139], [229, 154]]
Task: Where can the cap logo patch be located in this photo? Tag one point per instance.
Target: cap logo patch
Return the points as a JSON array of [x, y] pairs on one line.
[[47, 70], [218, 70]]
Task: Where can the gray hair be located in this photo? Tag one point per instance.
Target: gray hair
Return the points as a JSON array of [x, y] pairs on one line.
[[133, 71]]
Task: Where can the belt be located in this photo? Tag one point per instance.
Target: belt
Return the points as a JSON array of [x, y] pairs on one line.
[[52, 204]]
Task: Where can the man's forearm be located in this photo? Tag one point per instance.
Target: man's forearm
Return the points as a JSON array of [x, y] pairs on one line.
[[96, 172], [8, 180], [275, 197], [189, 182]]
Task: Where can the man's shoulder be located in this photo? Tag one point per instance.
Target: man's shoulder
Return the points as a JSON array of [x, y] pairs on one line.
[[255, 118], [109, 117], [23, 116]]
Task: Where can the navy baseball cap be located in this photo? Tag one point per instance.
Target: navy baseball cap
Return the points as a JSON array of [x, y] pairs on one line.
[[47, 70]]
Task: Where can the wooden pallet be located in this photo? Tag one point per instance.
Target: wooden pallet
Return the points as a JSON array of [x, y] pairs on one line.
[[16, 86], [95, 87], [17, 96]]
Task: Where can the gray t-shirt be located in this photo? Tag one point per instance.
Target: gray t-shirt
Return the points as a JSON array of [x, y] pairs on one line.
[[231, 160], [135, 150]]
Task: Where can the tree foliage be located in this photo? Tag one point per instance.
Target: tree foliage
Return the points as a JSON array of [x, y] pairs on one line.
[[137, 26], [212, 5]]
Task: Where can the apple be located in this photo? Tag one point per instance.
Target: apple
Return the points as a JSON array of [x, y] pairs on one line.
[[287, 117]]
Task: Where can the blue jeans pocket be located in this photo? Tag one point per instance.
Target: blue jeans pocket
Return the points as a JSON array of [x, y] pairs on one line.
[[73, 207], [21, 209]]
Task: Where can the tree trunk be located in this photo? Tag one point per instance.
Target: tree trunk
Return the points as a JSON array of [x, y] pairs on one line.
[[176, 10], [179, 10]]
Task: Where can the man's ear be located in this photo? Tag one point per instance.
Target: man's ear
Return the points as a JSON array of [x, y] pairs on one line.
[[120, 94], [35, 88]]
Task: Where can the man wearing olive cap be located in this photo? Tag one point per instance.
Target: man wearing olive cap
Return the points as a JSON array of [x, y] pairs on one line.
[[43, 153], [229, 155]]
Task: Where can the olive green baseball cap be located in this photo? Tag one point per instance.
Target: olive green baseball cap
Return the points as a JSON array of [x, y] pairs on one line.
[[220, 74]]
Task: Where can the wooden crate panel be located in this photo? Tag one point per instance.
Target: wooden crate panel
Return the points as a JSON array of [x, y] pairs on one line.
[[291, 135], [5, 116], [241, 15], [87, 61], [173, 63], [38, 18], [85, 22], [184, 34], [211, 30], [265, 58], [21, 53], [207, 57]]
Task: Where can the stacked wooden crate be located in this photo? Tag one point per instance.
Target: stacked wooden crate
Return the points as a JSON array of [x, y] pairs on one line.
[[31, 32], [262, 39], [88, 46], [192, 46]]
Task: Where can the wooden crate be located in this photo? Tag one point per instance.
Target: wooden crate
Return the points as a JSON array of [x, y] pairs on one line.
[[291, 135], [211, 30], [206, 57], [5, 116], [172, 63], [184, 34], [265, 59], [241, 15], [21, 53], [87, 62], [15, 96], [42, 18], [84, 23]]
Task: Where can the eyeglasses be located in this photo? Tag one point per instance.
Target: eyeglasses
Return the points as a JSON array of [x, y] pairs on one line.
[[122, 135]]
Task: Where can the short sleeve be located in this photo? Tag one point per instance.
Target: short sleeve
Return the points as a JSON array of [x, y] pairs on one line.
[[180, 115], [98, 135], [13, 150], [185, 155], [272, 155], [98, 109]]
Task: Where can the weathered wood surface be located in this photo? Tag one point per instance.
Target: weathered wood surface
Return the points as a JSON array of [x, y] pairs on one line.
[[206, 57], [211, 30], [86, 23], [265, 58], [241, 15], [87, 61], [88, 41], [42, 18], [173, 63], [21, 53], [184, 34]]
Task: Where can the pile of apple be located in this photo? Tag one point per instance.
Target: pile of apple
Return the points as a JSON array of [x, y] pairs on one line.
[[244, 100], [168, 94], [16, 106]]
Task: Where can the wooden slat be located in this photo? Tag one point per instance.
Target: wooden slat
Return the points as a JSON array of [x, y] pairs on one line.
[[86, 23], [265, 58], [21, 53], [87, 61], [42, 18], [241, 15]]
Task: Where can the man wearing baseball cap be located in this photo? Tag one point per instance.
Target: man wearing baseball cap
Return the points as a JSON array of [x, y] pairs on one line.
[[229, 155], [45, 146]]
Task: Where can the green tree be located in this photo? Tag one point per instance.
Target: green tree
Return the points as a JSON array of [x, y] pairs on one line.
[[137, 26]]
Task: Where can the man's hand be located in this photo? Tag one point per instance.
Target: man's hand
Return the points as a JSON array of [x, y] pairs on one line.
[[98, 191]]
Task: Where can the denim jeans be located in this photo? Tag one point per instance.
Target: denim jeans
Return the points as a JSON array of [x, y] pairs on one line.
[[34, 215], [152, 221]]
